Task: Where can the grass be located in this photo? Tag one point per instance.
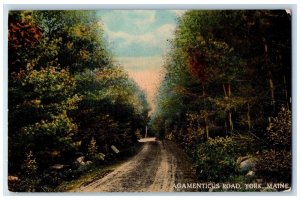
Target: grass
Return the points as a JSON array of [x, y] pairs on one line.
[[97, 171]]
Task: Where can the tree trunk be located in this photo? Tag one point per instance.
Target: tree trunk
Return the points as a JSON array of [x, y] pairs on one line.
[[227, 94], [248, 117], [286, 93], [229, 90], [230, 120], [230, 113], [271, 84], [206, 127], [224, 89]]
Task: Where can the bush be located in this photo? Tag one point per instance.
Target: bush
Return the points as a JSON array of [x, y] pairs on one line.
[[275, 165], [217, 157], [279, 131]]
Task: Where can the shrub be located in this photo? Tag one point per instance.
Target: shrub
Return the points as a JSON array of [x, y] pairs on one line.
[[275, 165], [280, 129], [92, 149], [216, 159]]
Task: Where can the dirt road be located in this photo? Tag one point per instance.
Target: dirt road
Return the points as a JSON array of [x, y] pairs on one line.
[[156, 168]]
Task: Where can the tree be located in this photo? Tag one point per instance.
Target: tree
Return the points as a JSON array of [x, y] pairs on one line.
[[66, 97], [80, 34], [39, 118], [226, 75]]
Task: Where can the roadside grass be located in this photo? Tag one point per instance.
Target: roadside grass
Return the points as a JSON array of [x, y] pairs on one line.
[[98, 171]]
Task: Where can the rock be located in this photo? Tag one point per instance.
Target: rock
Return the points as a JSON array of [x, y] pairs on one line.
[[101, 156], [247, 164], [57, 166], [88, 162], [241, 159], [80, 160], [250, 173], [13, 179], [114, 148], [288, 190]]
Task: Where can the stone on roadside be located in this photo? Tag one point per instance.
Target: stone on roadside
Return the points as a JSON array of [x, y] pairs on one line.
[[57, 166], [88, 162], [287, 190], [247, 164], [101, 156], [80, 160], [114, 148], [241, 159], [250, 173], [13, 179]]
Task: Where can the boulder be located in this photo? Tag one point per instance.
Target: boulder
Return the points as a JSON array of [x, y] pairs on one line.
[[80, 160], [101, 156], [114, 148], [287, 190], [247, 164], [13, 179], [57, 166], [88, 162], [250, 173], [241, 159]]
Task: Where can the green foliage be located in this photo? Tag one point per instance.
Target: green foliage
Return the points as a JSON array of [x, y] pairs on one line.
[[216, 158], [92, 149], [41, 100], [279, 130], [276, 162], [226, 74], [30, 165], [137, 134], [275, 165], [65, 95], [112, 109], [80, 35]]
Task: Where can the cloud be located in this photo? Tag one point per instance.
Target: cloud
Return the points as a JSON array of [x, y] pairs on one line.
[[138, 32], [148, 44], [131, 21]]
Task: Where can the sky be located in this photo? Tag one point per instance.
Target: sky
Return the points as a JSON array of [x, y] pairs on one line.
[[138, 40]]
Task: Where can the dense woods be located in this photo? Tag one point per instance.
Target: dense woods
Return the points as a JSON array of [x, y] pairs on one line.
[[226, 94], [225, 98], [69, 104]]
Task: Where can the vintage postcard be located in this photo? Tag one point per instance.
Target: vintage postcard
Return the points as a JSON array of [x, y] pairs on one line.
[[150, 100]]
